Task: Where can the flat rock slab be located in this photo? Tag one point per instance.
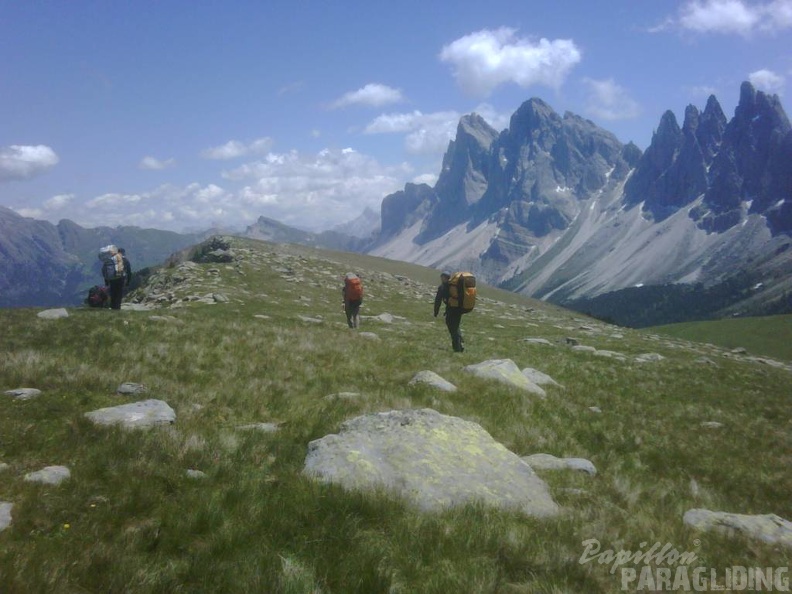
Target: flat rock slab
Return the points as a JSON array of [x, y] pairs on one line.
[[49, 475], [433, 460], [134, 415], [430, 378], [505, 371], [263, 427], [550, 462], [131, 388], [53, 314], [768, 528], [23, 393], [5, 514]]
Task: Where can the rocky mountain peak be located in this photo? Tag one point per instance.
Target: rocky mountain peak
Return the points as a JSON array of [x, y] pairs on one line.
[[751, 170]]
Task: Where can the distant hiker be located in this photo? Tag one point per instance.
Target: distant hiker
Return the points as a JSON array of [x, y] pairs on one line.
[[453, 315], [458, 292], [352, 292], [113, 273]]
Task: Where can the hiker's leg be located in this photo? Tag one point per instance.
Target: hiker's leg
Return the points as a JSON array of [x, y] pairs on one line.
[[116, 289], [356, 315], [348, 312], [453, 318]]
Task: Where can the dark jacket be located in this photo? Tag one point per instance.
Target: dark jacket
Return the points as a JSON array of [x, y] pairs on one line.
[[127, 270], [441, 297]]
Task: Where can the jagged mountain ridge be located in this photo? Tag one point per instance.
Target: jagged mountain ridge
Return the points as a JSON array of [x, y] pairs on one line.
[[563, 210]]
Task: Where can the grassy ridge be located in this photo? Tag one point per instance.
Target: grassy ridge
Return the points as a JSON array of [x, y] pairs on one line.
[[770, 336], [130, 520]]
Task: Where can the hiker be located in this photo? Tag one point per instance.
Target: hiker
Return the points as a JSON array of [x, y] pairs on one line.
[[352, 292], [127, 269], [453, 315], [113, 272]]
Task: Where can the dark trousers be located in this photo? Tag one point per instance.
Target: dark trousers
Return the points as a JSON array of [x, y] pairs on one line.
[[453, 318], [116, 292], [352, 310]]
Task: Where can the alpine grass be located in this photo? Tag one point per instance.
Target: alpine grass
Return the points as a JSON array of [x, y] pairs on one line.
[[131, 518]]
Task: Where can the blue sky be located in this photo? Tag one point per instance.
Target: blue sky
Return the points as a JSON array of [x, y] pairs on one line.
[[182, 115]]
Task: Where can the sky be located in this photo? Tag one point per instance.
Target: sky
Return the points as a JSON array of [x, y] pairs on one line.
[[184, 115]]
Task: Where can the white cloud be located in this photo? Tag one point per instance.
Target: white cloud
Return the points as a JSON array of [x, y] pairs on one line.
[[313, 191], [487, 59], [155, 164], [609, 101], [24, 162], [59, 201], [767, 80], [373, 95], [233, 149], [733, 16], [425, 133]]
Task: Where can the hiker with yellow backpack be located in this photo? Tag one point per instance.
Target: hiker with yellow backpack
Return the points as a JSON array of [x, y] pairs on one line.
[[458, 292]]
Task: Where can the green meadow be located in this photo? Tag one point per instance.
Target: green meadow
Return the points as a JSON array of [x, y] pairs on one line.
[[130, 519]]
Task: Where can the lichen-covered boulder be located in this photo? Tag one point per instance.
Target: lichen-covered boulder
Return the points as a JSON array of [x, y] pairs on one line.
[[430, 378], [435, 461], [505, 371]]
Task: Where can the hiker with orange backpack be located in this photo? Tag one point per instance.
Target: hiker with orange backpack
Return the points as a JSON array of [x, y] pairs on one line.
[[458, 292], [352, 292]]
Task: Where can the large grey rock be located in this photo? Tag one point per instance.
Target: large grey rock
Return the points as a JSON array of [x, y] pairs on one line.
[[506, 371], [430, 378], [49, 475], [53, 314], [434, 460], [145, 413], [5, 514], [768, 528]]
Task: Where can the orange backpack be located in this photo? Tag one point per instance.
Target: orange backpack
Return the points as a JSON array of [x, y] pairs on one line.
[[353, 288], [462, 291]]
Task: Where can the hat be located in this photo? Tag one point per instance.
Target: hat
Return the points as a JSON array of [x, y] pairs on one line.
[[445, 273]]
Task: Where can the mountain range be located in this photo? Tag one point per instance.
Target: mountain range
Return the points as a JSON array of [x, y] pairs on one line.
[[696, 226], [557, 208]]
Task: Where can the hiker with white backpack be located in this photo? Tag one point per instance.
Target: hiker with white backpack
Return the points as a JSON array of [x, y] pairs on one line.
[[113, 273]]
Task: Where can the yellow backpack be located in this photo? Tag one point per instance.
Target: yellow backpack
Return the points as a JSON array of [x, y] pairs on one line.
[[462, 291]]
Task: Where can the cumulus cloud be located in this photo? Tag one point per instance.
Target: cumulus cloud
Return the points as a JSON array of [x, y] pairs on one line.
[[732, 17], [609, 101], [424, 133], [372, 95], [487, 59], [234, 149], [767, 80], [23, 162], [313, 190], [155, 164]]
